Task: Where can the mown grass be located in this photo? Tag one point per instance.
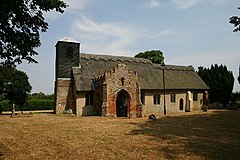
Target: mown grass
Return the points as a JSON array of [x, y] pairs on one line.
[[198, 135]]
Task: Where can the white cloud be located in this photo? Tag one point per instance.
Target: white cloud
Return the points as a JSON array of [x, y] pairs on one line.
[[111, 38], [74, 6], [152, 4], [184, 4], [52, 15], [163, 33], [106, 38], [219, 2]]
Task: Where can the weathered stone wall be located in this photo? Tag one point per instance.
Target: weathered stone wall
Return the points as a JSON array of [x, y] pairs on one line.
[[199, 103], [80, 103], [64, 95], [150, 108]]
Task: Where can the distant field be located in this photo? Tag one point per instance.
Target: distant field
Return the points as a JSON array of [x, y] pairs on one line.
[[197, 135]]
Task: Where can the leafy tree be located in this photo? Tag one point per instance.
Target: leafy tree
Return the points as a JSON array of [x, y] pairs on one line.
[[220, 81], [14, 85], [235, 20], [20, 24], [156, 56], [41, 95]]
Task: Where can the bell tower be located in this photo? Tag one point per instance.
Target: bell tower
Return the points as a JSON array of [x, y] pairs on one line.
[[67, 56]]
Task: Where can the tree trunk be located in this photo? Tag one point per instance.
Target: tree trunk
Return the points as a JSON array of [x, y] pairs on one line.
[[13, 110]]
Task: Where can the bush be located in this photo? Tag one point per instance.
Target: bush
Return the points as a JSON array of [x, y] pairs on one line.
[[5, 106], [31, 105], [38, 104]]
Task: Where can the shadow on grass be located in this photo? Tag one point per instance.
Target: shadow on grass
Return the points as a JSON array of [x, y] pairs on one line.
[[211, 136], [1, 152]]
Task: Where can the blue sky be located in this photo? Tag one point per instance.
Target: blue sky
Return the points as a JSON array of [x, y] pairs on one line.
[[188, 32]]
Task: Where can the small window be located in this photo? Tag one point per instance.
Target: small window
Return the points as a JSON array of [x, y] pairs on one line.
[[143, 98], [195, 96], [181, 103], [69, 52], [122, 80], [156, 99], [89, 99], [173, 98]]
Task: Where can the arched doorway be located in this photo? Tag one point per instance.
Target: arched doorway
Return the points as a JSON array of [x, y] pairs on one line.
[[123, 103], [181, 104]]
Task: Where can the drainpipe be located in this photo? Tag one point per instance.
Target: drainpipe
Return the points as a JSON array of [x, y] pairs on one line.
[[164, 91]]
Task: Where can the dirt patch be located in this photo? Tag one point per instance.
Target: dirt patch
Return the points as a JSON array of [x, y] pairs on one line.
[[196, 135]]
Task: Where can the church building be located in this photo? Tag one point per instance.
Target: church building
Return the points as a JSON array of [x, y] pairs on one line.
[[118, 86]]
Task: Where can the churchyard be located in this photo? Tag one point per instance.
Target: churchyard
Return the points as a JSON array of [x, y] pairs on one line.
[[214, 134]]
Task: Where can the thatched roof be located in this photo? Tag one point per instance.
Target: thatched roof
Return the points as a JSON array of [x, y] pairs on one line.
[[150, 75]]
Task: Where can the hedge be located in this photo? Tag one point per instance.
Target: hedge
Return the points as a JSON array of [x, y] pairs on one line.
[[31, 105]]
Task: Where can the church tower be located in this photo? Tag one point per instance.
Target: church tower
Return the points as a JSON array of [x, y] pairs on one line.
[[67, 56]]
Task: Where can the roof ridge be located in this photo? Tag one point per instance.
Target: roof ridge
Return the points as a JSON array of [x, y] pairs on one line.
[[174, 67], [68, 39], [113, 58]]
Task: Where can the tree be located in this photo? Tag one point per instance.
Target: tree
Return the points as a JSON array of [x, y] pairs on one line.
[[235, 20], [220, 81], [14, 85], [156, 56], [20, 24], [41, 95]]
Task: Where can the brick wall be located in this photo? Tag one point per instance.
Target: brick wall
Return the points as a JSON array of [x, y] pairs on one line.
[[108, 87]]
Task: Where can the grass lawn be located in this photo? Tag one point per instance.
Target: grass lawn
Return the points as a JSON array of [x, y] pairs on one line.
[[196, 135]]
